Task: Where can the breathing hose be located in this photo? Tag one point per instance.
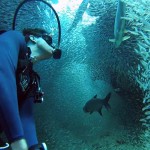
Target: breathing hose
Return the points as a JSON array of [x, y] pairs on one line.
[[58, 21]]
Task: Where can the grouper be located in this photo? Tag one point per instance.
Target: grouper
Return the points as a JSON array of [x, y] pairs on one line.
[[95, 104]]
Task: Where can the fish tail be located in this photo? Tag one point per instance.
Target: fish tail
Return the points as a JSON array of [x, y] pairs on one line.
[[106, 100]]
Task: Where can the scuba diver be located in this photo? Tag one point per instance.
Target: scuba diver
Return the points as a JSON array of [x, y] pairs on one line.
[[20, 85]]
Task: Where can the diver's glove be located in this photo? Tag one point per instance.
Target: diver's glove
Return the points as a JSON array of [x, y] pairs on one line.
[[57, 54]]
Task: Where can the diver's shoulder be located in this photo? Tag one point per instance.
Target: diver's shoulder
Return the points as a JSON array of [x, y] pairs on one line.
[[15, 32]]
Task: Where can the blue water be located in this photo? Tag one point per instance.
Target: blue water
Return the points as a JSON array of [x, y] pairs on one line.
[[84, 70]]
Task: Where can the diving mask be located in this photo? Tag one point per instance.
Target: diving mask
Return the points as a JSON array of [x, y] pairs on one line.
[[47, 38]]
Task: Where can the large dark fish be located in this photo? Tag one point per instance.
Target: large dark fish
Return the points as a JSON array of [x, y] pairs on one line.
[[78, 17], [96, 104]]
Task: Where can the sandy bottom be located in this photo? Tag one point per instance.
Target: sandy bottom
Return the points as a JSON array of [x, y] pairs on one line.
[[64, 137], [67, 129], [65, 140]]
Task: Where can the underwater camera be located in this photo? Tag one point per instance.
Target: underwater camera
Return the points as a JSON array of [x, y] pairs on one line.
[[39, 96], [38, 93]]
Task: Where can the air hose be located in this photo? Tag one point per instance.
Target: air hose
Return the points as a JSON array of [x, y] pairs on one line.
[[58, 21]]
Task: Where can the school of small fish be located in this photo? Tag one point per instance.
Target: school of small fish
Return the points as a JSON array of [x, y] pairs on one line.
[[139, 16]]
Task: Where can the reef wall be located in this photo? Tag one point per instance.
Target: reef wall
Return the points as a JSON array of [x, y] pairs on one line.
[[139, 20], [134, 75]]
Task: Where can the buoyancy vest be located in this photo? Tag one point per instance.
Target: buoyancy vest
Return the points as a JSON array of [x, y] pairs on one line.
[[28, 81]]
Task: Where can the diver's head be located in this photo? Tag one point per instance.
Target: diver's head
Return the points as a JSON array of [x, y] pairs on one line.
[[40, 39], [32, 34]]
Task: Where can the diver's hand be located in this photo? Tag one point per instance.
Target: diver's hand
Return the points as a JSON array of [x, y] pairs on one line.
[[57, 54]]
